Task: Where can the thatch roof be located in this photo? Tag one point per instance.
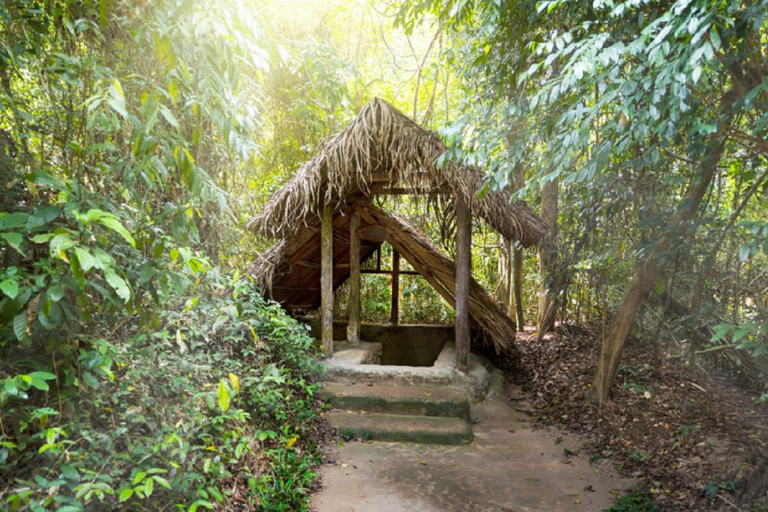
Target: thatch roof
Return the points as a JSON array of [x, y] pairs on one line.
[[382, 144], [289, 272]]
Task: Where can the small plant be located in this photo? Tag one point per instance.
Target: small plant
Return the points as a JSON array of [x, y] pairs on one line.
[[635, 501], [367, 436], [348, 434], [639, 455]]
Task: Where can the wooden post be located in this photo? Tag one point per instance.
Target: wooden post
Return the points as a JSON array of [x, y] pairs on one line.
[[395, 313], [463, 273], [326, 279], [353, 303]]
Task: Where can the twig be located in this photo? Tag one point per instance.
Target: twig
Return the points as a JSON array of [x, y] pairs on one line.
[[729, 502]]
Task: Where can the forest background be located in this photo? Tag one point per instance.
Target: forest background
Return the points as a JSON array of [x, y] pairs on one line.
[[137, 138]]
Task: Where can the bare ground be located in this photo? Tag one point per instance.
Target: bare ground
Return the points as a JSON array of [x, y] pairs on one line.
[[696, 442]]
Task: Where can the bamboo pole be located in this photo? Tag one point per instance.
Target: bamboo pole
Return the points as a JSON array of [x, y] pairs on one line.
[[463, 272], [353, 304], [394, 318], [326, 279]]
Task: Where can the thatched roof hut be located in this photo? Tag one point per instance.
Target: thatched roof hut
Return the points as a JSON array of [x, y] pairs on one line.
[[381, 151]]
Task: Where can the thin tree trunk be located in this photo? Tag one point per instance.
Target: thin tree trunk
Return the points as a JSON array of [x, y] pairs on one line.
[[548, 258], [650, 268], [516, 285]]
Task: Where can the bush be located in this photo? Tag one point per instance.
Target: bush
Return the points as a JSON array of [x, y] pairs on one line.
[[214, 405]]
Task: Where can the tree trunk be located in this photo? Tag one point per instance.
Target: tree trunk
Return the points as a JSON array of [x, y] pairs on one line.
[[548, 258], [649, 269], [516, 285]]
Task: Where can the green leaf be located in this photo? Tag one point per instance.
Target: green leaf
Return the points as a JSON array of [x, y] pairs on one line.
[[56, 292], [42, 238], [14, 240], [39, 378], [168, 115], [118, 284], [61, 243], [21, 328], [721, 330], [10, 287], [90, 380], [14, 220], [125, 494], [117, 105], [200, 503], [114, 224], [85, 258], [224, 396], [43, 216], [149, 486], [70, 472]]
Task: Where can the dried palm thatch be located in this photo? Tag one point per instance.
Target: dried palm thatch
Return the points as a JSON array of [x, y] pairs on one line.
[[382, 144]]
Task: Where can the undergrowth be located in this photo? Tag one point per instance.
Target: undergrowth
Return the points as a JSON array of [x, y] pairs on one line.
[[211, 406]]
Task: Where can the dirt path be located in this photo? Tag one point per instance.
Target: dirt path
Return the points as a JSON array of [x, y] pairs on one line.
[[509, 467]]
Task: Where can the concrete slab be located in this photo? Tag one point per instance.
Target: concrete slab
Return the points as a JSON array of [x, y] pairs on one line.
[[509, 467], [347, 368]]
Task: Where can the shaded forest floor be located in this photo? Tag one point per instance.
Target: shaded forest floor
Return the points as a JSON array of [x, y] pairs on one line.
[[693, 441]]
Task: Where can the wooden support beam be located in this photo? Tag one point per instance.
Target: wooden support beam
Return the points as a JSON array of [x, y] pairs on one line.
[[389, 272], [403, 191], [394, 318], [312, 242], [326, 279], [463, 274], [353, 302]]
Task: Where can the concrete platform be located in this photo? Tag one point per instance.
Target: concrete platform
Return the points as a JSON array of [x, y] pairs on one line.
[[408, 429], [403, 400], [346, 366]]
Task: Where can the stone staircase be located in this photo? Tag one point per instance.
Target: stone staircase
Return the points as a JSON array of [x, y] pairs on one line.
[[400, 413]]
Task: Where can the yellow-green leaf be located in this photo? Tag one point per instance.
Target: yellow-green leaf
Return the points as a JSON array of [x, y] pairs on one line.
[[119, 89], [235, 380], [224, 396]]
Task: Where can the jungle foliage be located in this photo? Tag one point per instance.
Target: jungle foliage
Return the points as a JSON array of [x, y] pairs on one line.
[[652, 118], [138, 367], [137, 370]]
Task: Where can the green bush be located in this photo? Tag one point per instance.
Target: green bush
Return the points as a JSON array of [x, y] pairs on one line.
[[215, 404]]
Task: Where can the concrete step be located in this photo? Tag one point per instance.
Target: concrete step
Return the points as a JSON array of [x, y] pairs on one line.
[[408, 429], [402, 400]]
